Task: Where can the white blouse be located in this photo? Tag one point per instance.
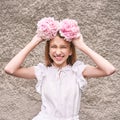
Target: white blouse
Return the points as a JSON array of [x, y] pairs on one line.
[[60, 91]]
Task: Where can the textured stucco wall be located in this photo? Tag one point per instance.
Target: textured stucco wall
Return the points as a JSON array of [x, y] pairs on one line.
[[99, 21]]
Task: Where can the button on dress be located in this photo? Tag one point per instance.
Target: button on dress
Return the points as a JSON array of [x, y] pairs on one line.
[[60, 91]]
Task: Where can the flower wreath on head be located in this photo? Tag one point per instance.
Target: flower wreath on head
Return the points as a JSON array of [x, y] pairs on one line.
[[47, 28]]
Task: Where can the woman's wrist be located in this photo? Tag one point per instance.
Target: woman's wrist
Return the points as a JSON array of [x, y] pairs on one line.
[[83, 47], [79, 43], [36, 40]]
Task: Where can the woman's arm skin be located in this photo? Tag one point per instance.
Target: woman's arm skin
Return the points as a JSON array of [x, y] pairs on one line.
[[103, 67], [14, 66]]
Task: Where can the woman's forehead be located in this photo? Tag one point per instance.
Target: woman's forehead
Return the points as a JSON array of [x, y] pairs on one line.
[[59, 41]]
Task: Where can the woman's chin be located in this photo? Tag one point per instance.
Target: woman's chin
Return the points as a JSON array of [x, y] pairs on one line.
[[60, 63]]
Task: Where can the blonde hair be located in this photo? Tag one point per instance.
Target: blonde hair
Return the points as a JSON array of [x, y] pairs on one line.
[[70, 60]]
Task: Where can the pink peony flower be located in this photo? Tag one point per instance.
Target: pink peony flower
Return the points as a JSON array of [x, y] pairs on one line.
[[47, 28], [69, 29]]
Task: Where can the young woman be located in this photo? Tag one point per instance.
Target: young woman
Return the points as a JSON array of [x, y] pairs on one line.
[[62, 78]]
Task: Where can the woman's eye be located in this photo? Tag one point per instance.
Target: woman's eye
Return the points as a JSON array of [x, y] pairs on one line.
[[63, 47], [53, 46]]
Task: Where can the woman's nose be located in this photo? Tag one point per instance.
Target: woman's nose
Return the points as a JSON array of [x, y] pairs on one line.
[[58, 51]]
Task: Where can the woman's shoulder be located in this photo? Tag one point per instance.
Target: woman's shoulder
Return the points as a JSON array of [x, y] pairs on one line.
[[78, 66], [40, 68], [78, 63], [41, 65]]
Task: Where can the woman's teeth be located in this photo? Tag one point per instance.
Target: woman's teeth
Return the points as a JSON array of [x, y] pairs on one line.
[[59, 57]]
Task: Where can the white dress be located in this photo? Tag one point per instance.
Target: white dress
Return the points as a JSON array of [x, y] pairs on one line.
[[60, 91]]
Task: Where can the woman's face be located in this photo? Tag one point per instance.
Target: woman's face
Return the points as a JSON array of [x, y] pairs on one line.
[[59, 51]]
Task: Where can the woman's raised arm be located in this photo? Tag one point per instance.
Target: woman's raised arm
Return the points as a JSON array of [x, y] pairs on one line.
[[102, 68], [14, 66]]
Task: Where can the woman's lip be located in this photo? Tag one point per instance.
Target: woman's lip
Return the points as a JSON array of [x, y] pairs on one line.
[[59, 57]]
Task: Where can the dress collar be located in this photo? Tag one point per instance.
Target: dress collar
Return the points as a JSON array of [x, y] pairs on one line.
[[67, 67]]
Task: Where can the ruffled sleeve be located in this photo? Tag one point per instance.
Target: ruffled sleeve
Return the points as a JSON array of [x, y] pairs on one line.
[[78, 68], [40, 70]]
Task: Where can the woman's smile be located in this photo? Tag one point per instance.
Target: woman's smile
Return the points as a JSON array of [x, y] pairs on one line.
[[59, 57]]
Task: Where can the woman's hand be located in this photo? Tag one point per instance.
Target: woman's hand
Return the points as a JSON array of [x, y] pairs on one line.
[[36, 40], [79, 43]]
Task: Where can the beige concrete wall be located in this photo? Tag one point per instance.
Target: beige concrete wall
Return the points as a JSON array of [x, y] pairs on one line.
[[99, 21]]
